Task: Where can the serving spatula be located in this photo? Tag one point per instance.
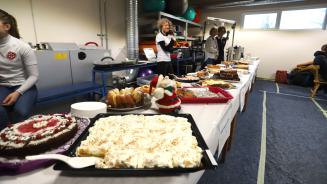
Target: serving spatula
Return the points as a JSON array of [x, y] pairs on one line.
[[74, 162]]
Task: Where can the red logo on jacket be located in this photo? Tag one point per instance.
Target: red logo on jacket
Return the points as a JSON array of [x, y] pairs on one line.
[[11, 55]]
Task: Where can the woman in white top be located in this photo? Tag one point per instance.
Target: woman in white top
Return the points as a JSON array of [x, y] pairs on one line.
[[164, 42], [211, 48], [18, 74]]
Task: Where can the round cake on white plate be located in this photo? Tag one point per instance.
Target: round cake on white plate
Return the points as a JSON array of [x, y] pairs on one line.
[[37, 134]]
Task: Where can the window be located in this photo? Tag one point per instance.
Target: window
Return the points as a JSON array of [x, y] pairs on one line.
[[303, 19], [260, 21]]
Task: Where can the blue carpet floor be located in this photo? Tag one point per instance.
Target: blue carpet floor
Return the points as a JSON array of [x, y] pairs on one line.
[[296, 140], [263, 85], [294, 90], [323, 104], [241, 166]]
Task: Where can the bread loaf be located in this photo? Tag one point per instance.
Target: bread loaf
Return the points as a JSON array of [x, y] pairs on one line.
[[125, 98]]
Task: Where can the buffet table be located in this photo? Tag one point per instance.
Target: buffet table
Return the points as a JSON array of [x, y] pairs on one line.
[[215, 122]]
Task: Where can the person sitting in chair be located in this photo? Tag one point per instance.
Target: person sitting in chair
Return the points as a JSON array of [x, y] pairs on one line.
[[321, 60]]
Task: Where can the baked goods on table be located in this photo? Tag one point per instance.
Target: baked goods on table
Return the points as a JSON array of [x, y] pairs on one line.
[[217, 83], [213, 70], [138, 141], [36, 135], [187, 79], [229, 63], [125, 98], [202, 73], [243, 62], [242, 66], [184, 93], [178, 84], [146, 89], [227, 74], [213, 66], [197, 93]]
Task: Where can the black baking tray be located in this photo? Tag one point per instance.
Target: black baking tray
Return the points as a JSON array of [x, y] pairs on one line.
[[92, 171]]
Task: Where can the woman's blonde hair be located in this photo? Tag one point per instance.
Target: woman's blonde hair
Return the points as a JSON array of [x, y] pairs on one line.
[[162, 21]]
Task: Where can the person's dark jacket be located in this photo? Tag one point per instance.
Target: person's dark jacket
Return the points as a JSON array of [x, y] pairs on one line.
[[221, 46], [321, 60], [167, 48]]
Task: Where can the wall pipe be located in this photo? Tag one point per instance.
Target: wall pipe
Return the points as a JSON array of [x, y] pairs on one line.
[[100, 18], [132, 29], [105, 23]]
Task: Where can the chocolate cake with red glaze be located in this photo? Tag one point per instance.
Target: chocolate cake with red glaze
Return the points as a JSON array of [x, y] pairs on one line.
[[37, 134]]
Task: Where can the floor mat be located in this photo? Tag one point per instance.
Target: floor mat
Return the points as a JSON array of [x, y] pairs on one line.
[[296, 141]]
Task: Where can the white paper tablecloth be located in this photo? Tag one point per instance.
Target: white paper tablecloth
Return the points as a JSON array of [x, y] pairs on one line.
[[213, 121]]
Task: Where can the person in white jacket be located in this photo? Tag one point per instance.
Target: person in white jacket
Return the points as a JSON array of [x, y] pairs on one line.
[[165, 42], [211, 48], [18, 73]]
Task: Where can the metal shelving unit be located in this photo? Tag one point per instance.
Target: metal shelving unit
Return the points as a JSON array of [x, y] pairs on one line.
[[179, 19], [186, 24], [177, 37]]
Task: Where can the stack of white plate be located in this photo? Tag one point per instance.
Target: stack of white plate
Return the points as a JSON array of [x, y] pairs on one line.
[[87, 109]]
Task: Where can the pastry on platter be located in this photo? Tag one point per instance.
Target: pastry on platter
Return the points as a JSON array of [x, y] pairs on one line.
[[125, 98], [241, 66], [202, 73], [213, 66], [138, 141], [227, 74], [217, 83]]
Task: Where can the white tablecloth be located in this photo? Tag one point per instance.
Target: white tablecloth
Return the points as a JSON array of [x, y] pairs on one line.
[[213, 121]]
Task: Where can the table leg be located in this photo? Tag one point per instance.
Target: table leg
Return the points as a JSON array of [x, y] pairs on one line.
[[231, 134], [93, 76], [103, 81], [246, 101], [93, 81], [223, 154], [253, 82], [177, 67]]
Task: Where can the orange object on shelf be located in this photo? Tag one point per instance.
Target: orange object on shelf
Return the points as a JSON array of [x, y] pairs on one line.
[[181, 44], [148, 44]]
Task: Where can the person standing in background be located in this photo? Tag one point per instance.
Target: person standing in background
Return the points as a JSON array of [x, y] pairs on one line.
[[221, 41], [211, 48], [164, 41], [19, 73]]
